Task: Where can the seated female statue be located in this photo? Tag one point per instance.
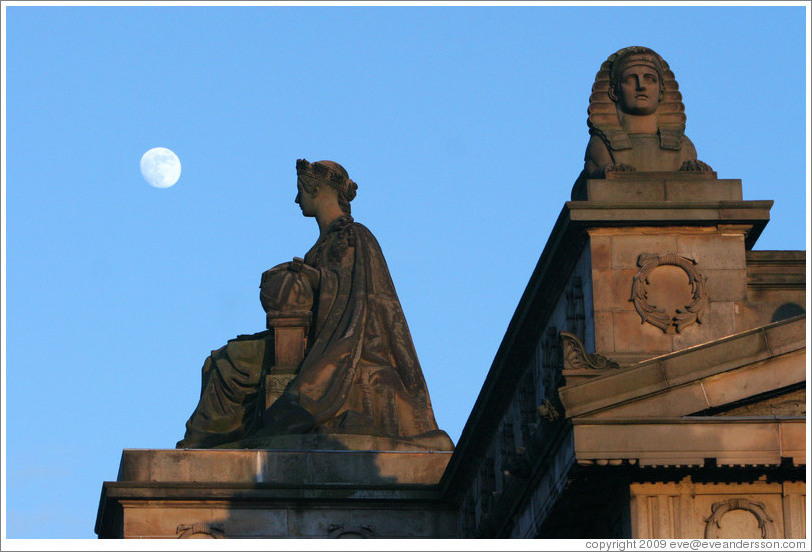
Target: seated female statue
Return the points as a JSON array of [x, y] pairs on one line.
[[360, 374]]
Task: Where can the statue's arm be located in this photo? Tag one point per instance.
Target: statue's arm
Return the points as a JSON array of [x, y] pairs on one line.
[[313, 275], [598, 159]]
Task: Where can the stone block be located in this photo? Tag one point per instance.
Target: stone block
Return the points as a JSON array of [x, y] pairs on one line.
[[631, 335], [687, 190], [710, 360], [610, 390], [627, 248], [726, 285], [786, 337], [604, 332], [410, 523], [677, 402], [600, 248], [657, 187], [626, 191], [263, 466], [718, 321], [162, 522], [316, 522], [713, 251], [611, 289], [754, 379], [254, 522]]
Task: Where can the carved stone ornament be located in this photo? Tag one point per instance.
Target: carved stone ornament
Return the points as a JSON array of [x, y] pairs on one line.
[[719, 509], [548, 411], [342, 531], [200, 530], [654, 306], [576, 357]]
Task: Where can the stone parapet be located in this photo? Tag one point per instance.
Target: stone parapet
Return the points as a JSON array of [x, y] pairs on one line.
[[316, 467], [276, 494]]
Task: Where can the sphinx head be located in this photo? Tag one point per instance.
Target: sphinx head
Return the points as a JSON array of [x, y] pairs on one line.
[[636, 80]]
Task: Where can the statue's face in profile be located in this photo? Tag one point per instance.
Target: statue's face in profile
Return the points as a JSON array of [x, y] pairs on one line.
[[638, 90], [305, 200]]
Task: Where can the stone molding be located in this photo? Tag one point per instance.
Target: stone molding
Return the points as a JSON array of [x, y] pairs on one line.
[[689, 442], [783, 341]]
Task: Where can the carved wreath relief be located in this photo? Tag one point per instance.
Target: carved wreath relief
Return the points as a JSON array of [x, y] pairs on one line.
[[713, 524], [671, 304], [200, 530]]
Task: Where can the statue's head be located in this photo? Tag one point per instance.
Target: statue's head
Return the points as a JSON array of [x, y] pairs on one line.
[[611, 93], [636, 80], [327, 173]]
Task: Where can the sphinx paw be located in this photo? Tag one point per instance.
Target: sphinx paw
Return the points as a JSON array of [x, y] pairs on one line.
[[695, 165], [618, 167]]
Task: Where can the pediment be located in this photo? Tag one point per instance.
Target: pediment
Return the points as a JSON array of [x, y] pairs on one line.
[[745, 373], [736, 401], [790, 402]]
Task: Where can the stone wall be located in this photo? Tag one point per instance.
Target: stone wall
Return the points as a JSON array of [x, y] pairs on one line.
[[692, 510]]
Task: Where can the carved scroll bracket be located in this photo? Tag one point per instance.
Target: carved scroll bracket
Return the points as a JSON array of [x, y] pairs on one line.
[[580, 365], [650, 306]]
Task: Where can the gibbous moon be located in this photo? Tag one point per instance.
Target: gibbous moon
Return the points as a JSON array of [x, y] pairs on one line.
[[160, 167]]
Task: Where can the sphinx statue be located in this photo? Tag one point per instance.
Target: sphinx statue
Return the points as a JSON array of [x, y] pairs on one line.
[[338, 358], [636, 119]]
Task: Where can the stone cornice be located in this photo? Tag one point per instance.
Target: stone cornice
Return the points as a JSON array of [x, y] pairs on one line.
[[764, 441]]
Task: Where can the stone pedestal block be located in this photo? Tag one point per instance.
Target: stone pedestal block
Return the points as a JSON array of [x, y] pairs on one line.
[[668, 254], [277, 494]]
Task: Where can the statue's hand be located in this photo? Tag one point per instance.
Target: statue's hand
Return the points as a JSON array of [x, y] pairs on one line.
[[288, 287], [695, 165], [618, 167], [313, 276]]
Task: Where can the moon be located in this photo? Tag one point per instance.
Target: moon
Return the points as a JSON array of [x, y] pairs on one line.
[[160, 167]]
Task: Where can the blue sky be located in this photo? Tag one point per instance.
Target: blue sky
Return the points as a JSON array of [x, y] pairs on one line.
[[464, 127]]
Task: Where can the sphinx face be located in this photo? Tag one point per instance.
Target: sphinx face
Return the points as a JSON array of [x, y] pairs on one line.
[[638, 91]]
